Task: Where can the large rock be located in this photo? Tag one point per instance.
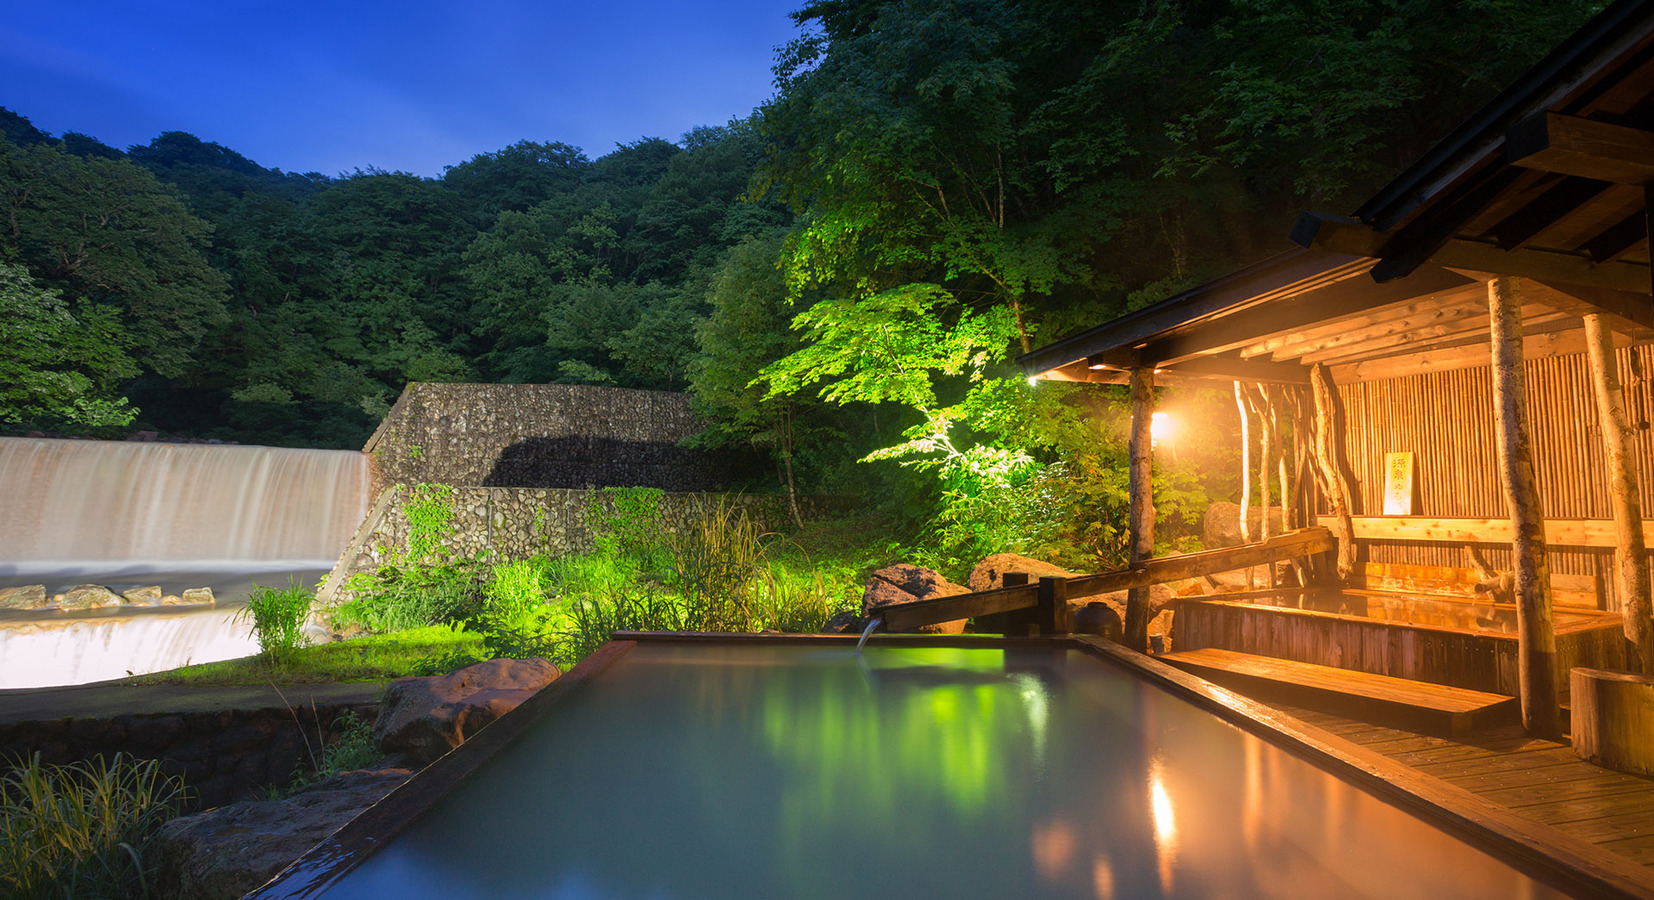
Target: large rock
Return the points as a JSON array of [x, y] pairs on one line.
[[143, 596], [426, 717], [989, 574], [29, 596], [1221, 527], [905, 583], [88, 596], [223, 853], [201, 596]]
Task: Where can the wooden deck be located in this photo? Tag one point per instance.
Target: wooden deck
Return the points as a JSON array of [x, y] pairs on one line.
[[1541, 780]]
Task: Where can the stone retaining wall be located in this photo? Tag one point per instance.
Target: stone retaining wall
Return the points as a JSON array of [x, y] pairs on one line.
[[223, 755], [517, 523], [541, 436]]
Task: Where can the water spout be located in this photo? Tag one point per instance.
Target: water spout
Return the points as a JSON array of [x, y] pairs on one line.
[[868, 632]]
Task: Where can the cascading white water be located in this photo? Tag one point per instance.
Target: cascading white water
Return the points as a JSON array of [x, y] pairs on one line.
[[192, 515], [71, 503]]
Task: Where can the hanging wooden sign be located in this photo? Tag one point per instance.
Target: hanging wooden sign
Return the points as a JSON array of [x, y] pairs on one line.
[[1398, 484]]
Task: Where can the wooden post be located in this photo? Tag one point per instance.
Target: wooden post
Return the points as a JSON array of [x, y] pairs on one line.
[[1053, 605], [1246, 465], [1329, 463], [1536, 647], [1630, 554], [1142, 503]]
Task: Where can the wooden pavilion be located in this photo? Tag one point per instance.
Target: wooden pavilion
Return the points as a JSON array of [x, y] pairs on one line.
[[1457, 380]]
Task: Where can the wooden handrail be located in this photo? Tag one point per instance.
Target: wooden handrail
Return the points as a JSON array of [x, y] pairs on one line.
[[1303, 542]]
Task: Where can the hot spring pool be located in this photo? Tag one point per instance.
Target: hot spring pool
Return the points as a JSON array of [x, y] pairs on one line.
[[754, 770]]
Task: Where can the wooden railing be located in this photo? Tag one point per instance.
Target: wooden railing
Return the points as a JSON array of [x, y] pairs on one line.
[[1048, 599]]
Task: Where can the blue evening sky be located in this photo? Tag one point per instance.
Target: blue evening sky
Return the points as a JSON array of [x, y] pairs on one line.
[[412, 85]]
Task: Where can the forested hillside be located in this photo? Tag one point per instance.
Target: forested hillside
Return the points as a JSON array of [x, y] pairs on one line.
[[935, 187]]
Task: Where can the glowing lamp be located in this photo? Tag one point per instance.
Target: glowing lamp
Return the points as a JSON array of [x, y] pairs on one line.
[[1162, 427]]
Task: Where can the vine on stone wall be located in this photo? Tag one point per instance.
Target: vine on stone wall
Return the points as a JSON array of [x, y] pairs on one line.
[[430, 512], [625, 521]]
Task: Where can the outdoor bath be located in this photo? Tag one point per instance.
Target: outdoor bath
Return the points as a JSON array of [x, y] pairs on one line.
[[678, 766]]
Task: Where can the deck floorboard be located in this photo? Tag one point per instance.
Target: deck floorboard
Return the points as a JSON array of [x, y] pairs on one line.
[[1542, 780]]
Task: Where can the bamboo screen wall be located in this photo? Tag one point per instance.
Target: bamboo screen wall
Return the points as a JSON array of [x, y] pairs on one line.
[[1446, 420]]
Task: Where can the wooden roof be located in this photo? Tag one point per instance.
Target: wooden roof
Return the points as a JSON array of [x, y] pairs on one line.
[[1547, 182]]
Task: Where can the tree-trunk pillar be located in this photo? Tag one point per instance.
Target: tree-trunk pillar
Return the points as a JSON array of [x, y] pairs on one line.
[[1329, 427], [1536, 648], [1246, 465], [1630, 553], [1142, 502]]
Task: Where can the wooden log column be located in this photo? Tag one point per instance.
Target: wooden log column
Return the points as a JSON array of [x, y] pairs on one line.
[[1536, 648], [1138, 610], [1630, 553], [1329, 464]]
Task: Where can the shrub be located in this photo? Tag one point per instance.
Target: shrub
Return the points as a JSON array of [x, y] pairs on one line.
[[800, 601], [278, 616], [399, 598], [83, 830]]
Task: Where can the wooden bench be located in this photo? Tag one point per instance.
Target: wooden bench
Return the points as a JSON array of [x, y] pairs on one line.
[[1433, 707]]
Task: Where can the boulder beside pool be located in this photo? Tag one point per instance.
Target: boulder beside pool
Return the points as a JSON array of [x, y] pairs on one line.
[[424, 718], [906, 583], [223, 853]]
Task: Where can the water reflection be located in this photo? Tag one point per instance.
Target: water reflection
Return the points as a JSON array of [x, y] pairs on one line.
[[693, 772]]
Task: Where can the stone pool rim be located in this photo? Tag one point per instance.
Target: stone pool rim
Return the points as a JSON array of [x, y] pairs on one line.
[[1538, 850]]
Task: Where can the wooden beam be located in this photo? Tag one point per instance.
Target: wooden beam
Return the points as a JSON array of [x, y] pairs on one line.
[[1569, 145], [1536, 647], [1539, 346], [899, 617], [1141, 523], [1287, 273], [1422, 239], [1326, 232], [1418, 311], [1558, 532], [1310, 308], [1623, 311], [1630, 550], [1461, 324], [1618, 238], [1229, 368], [1304, 542], [1557, 201]]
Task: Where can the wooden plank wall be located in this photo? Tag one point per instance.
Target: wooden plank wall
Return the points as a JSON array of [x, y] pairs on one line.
[[1445, 419]]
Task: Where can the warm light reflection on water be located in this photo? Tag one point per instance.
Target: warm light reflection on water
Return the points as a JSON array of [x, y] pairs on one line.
[[785, 772]]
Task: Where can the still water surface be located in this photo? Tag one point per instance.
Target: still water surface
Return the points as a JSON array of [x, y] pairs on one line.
[[695, 772]]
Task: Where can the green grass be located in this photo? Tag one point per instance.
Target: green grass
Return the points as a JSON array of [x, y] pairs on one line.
[[83, 830], [377, 657]]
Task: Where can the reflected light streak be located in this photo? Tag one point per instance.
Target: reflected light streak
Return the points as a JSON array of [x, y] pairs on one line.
[[1165, 826], [1102, 878]]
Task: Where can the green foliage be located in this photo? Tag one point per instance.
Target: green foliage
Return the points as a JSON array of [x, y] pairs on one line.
[[352, 749], [370, 657], [592, 622], [430, 511], [83, 830], [716, 561], [625, 521], [278, 616], [57, 370], [397, 598]]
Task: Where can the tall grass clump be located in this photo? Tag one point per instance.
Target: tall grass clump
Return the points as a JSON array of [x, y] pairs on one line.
[[591, 622], [83, 830], [278, 616], [716, 561]]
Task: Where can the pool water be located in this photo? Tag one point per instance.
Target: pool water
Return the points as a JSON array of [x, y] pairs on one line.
[[689, 771]]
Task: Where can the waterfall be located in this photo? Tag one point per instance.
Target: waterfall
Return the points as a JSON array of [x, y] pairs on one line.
[[70, 505], [182, 515]]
